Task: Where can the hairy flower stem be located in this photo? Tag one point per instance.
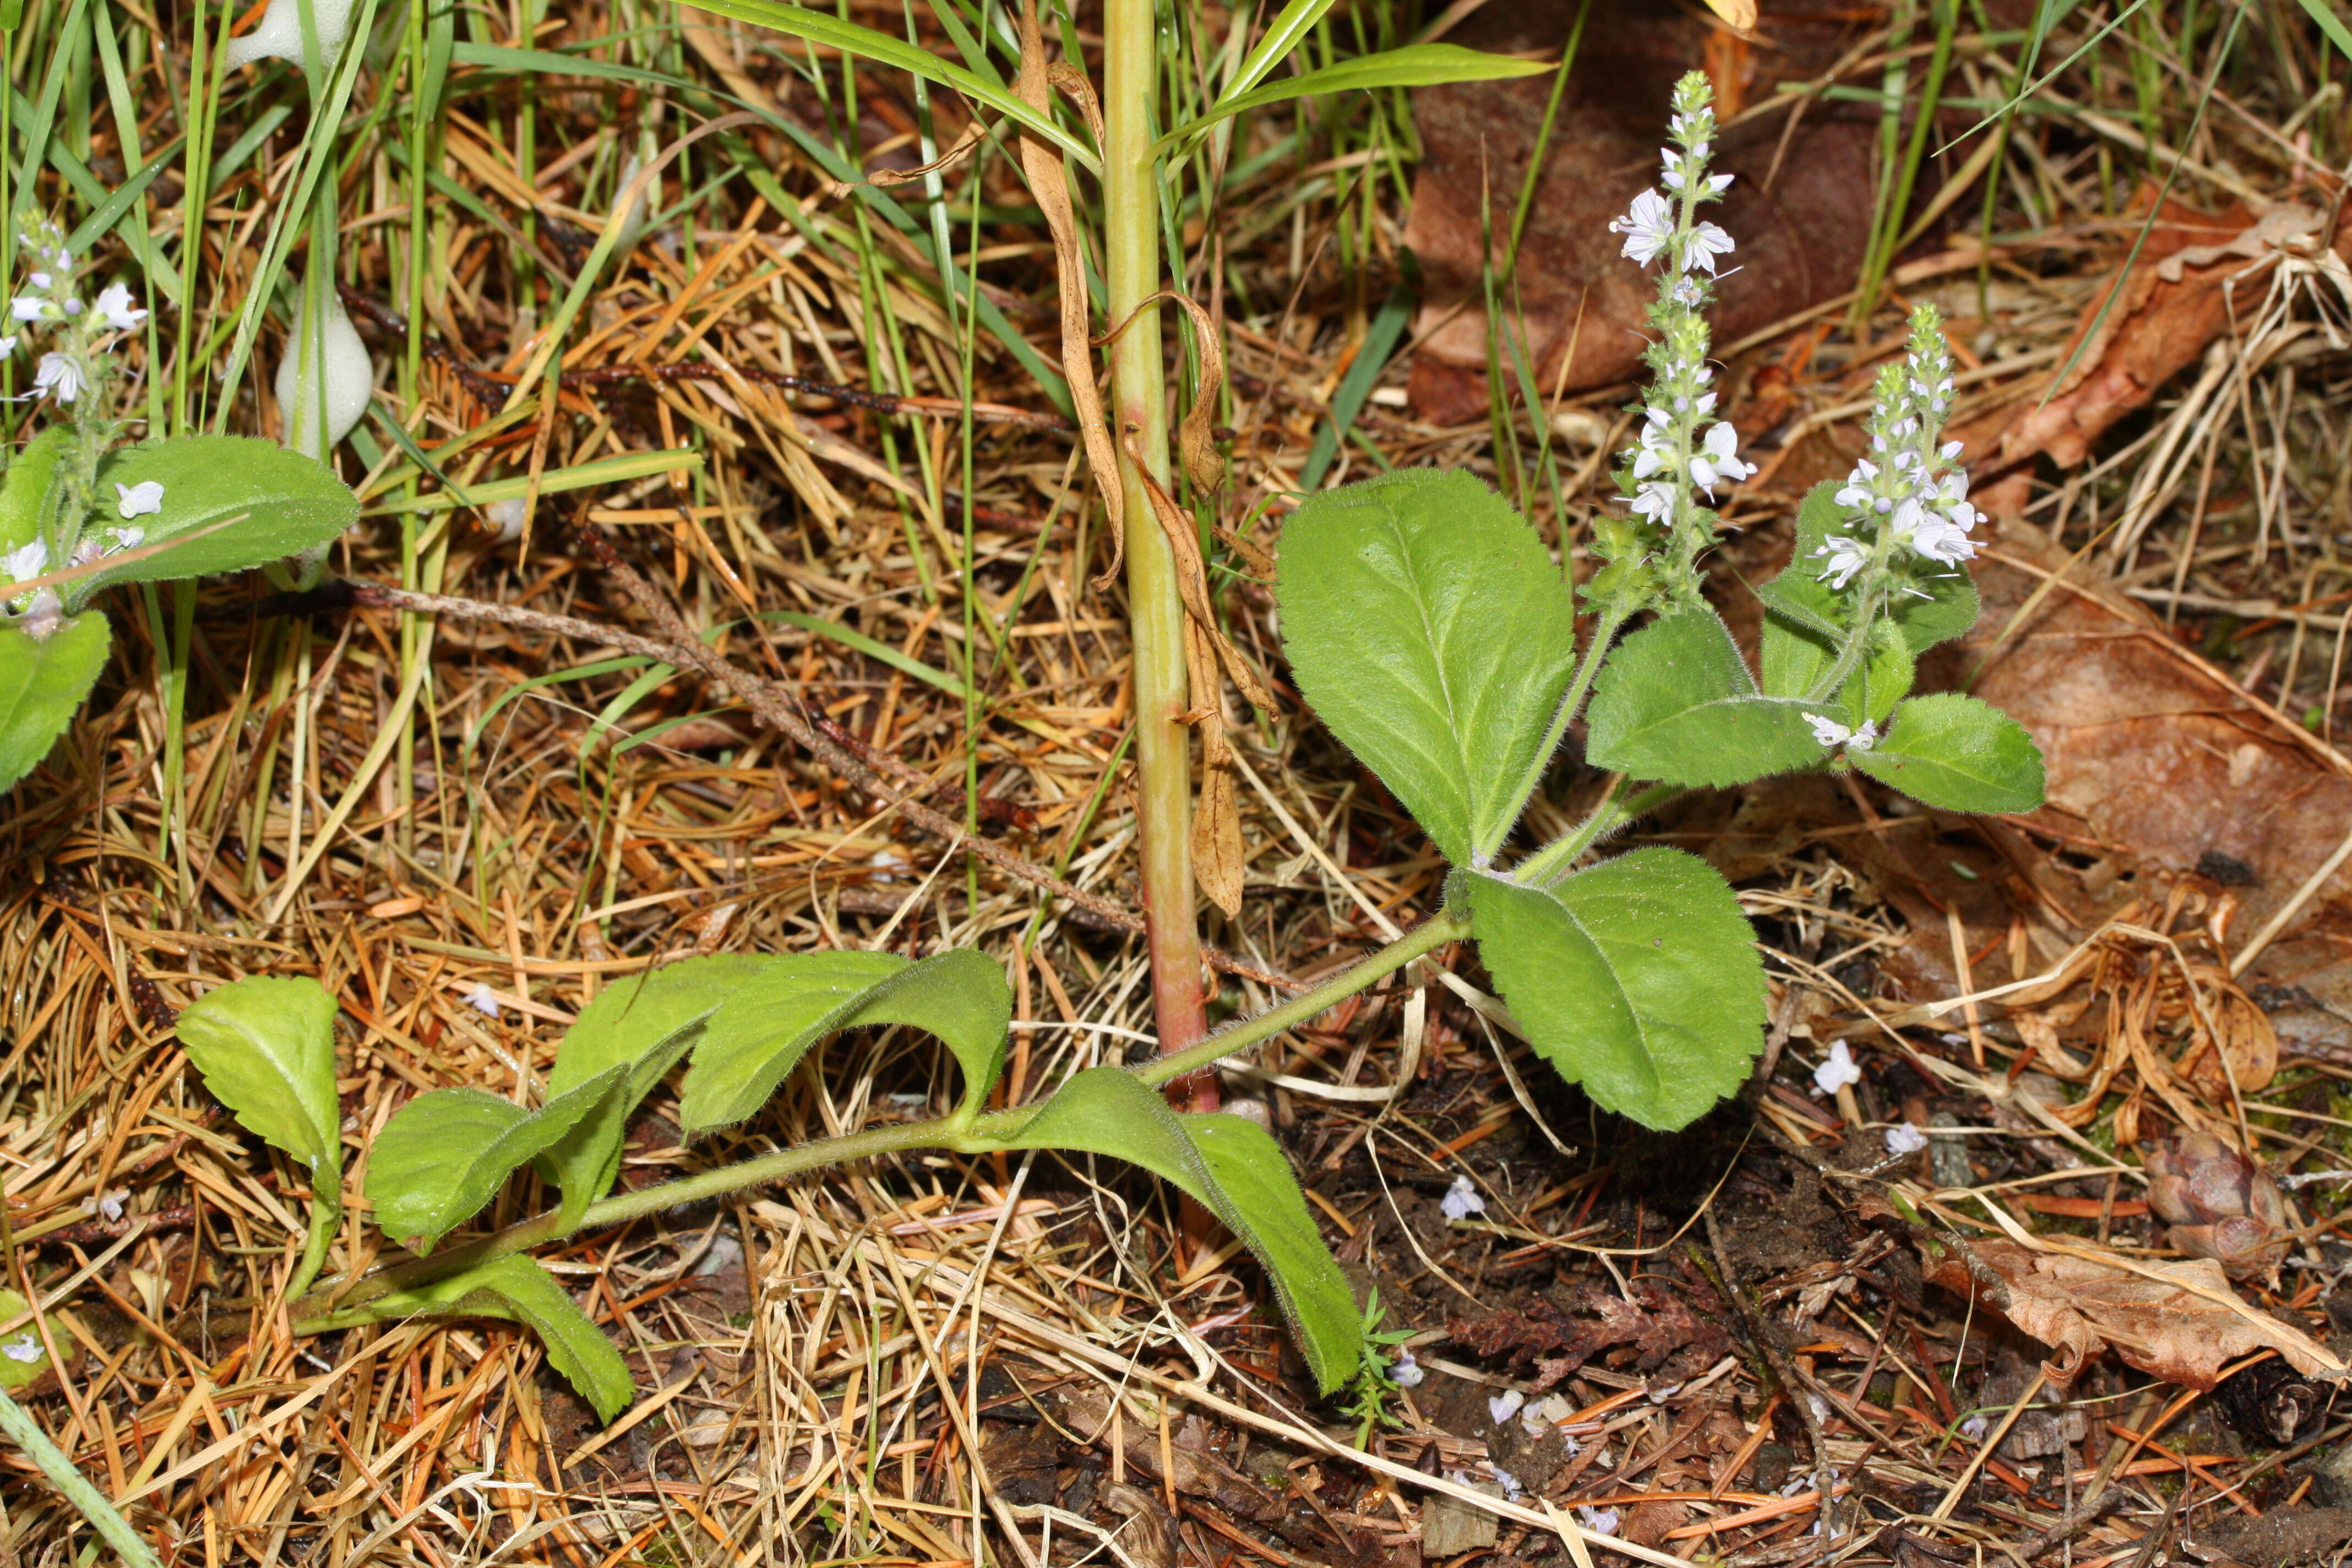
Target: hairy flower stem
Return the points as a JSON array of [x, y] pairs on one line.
[[337, 1306], [1551, 862], [1155, 613], [1571, 702]]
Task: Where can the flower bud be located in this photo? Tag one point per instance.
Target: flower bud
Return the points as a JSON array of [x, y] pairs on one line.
[[2219, 1204]]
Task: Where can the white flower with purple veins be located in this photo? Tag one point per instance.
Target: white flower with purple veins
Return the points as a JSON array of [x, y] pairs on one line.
[[28, 308], [1600, 1520], [1832, 734], [141, 500], [1656, 501], [1407, 1372], [1842, 558], [1716, 462], [1657, 448], [26, 561], [1836, 1073], [1703, 245], [23, 1350], [1510, 1483], [115, 310], [59, 375], [1461, 1201], [1504, 1406], [483, 1000], [124, 539], [1648, 228], [7, 345], [1905, 1138]]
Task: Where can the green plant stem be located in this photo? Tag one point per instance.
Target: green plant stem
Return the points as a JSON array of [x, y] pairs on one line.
[[1550, 863], [1155, 612], [87, 1499], [326, 1220], [1857, 642], [331, 1307], [1571, 702]]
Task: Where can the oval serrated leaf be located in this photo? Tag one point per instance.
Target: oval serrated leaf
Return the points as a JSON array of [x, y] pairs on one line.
[[446, 1153], [1428, 627], [1637, 978], [1239, 1174], [1675, 703], [748, 1046], [644, 1023], [267, 1048], [1956, 753], [763, 1029], [520, 1290], [229, 502], [42, 685]]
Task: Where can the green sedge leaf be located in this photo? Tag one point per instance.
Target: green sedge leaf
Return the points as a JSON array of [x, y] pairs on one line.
[[518, 1289], [1431, 630], [1956, 753], [446, 1154], [1675, 703], [1637, 978], [1410, 64], [267, 1048], [43, 683], [1239, 1174], [228, 502]]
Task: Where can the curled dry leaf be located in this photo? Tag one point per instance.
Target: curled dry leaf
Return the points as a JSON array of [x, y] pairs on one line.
[[2178, 1321], [2219, 1204]]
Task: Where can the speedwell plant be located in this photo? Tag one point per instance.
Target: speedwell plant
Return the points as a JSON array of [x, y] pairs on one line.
[[80, 513], [1430, 627]]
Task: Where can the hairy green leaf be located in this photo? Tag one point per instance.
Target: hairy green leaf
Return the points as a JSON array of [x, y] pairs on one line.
[[267, 1048], [446, 1153], [643, 1024], [26, 486], [42, 684], [1239, 1174], [1956, 753], [518, 1289], [228, 502], [761, 1031], [1675, 703], [1429, 629], [1637, 978], [1410, 65]]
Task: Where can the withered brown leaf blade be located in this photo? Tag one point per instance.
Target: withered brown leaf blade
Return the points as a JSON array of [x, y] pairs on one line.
[[2172, 1320]]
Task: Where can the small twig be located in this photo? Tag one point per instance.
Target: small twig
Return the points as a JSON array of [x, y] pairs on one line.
[[776, 707]]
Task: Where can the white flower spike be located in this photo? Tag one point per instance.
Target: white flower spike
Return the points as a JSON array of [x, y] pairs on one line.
[[142, 499]]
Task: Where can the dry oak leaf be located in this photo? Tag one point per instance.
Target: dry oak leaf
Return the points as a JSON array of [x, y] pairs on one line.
[[2178, 1321]]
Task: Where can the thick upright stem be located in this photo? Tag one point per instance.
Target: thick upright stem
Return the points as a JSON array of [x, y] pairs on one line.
[[1155, 613]]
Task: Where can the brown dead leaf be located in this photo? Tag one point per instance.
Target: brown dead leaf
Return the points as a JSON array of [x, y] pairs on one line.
[[1800, 206], [2156, 327], [2177, 1322], [2156, 760]]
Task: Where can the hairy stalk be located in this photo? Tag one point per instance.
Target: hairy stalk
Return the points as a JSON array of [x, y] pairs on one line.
[[332, 1307], [25, 1432], [1551, 862], [326, 1219], [1155, 613], [1571, 702]]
